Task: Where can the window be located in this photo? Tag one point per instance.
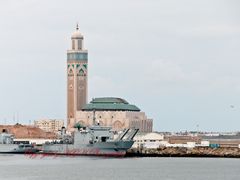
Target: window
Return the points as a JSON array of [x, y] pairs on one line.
[[104, 139], [73, 44], [79, 44]]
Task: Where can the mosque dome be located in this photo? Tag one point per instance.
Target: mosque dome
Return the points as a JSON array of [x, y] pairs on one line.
[[77, 34]]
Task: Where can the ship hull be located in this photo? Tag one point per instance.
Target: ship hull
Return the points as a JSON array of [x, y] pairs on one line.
[[111, 149], [8, 148], [14, 149]]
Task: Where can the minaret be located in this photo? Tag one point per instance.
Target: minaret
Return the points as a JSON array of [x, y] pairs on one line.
[[77, 59]]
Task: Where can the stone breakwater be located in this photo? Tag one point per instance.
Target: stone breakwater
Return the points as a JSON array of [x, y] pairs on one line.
[[185, 152]]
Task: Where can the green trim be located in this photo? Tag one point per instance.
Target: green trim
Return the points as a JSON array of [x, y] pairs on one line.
[[110, 107], [81, 72], [109, 100], [110, 104]]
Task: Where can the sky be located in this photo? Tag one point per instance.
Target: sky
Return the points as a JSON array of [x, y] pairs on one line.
[[177, 60]]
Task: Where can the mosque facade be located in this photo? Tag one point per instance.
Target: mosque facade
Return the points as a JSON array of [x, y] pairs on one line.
[[108, 111]]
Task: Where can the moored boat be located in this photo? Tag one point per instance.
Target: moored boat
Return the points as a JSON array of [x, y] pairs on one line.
[[95, 141], [7, 145]]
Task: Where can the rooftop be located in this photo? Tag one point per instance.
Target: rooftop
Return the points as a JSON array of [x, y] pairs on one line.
[[110, 100], [109, 104]]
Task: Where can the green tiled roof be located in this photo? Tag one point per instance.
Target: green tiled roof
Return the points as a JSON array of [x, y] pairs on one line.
[[110, 104], [110, 100]]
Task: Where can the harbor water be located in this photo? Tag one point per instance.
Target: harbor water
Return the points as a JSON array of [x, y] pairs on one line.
[[27, 167]]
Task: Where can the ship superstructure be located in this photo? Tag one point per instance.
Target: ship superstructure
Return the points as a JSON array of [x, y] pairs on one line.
[[95, 140], [7, 145]]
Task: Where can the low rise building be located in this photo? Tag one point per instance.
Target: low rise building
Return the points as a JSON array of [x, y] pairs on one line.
[[49, 125], [223, 140], [148, 140], [180, 139]]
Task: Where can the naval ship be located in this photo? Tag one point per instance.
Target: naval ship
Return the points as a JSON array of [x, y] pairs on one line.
[[7, 145], [95, 140]]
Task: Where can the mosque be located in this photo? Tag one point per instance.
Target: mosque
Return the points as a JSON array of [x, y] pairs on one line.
[[109, 111]]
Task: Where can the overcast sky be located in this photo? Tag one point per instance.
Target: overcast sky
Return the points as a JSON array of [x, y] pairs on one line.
[[177, 60]]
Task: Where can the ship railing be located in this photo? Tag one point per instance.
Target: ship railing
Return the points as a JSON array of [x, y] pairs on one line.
[[127, 135], [121, 136], [131, 134]]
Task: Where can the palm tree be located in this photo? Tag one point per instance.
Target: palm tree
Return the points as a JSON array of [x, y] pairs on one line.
[[78, 125]]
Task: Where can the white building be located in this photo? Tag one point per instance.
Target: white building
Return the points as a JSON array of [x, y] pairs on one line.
[[148, 140], [49, 125]]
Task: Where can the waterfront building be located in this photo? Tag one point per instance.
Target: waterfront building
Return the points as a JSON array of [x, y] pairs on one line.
[[49, 125], [77, 64], [115, 112], [151, 140]]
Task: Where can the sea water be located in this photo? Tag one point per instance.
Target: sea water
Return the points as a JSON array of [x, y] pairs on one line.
[[25, 167]]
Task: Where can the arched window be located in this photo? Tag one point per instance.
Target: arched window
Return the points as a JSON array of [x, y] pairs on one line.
[[81, 72], [79, 44], [117, 125], [70, 71], [73, 44]]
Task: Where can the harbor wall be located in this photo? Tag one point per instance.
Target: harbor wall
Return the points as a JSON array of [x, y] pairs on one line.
[[185, 152]]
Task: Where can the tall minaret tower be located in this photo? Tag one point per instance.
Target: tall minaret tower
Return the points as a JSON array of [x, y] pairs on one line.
[[77, 61]]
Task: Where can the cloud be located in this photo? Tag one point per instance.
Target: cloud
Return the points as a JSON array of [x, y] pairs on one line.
[[149, 52], [164, 70], [210, 30], [172, 76], [102, 86]]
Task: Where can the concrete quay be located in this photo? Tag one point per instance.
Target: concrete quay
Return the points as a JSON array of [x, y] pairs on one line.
[[185, 152]]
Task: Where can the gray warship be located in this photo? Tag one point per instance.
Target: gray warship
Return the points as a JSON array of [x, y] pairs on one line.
[[7, 145], [95, 140]]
